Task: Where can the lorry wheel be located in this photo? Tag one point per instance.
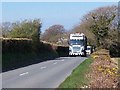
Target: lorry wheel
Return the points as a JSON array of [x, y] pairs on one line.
[[84, 54], [70, 55]]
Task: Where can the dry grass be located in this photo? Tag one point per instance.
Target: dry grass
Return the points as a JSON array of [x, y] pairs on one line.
[[104, 71]]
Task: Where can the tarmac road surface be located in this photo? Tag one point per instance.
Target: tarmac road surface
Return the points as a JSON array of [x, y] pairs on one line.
[[48, 74]]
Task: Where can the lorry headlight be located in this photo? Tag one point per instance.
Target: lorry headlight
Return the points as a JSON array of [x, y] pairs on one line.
[[82, 48], [70, 50]]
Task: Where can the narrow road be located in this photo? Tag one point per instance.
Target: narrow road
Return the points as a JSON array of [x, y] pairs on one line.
[[48, 74]]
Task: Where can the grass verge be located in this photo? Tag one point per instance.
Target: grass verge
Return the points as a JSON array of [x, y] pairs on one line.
[[78, 77]]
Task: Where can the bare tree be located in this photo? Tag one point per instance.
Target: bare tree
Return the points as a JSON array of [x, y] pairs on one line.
[[100, 21], [98, 24], [6, 28], [53, 33]]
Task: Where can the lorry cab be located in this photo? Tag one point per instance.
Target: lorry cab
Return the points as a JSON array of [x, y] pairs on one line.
[[77, 44]]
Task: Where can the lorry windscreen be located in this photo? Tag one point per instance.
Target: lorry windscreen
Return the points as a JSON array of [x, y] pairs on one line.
[[76, 42]]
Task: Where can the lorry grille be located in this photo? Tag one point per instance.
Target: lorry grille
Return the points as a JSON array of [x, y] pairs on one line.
[[76, 49]]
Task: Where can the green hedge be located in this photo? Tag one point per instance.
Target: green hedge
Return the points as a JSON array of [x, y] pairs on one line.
[[20, 52], [10, 46], [26, 46]]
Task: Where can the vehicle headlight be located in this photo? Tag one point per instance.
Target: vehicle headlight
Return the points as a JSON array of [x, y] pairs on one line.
[[70, 50], [82, 48]]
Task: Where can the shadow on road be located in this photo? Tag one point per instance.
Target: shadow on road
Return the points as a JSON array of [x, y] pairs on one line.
[[23, 62]]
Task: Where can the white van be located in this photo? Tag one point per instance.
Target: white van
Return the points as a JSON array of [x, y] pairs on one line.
[[89, 50]]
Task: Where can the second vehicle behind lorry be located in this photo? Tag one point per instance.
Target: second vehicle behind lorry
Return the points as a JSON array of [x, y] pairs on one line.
[[89, 50]]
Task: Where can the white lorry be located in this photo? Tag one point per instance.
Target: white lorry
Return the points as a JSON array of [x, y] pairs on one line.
[[77, 44]]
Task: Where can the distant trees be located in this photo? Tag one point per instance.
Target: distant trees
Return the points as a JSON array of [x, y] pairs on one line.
[[26, 29], [30, 29], [6, 27], [54, 33]]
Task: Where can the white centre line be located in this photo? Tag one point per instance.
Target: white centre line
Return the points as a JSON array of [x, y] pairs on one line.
[[23, 74], [43, 67], [55, 63]]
